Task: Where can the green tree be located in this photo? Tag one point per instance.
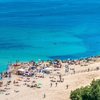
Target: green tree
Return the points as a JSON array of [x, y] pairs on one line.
[[91, 92]]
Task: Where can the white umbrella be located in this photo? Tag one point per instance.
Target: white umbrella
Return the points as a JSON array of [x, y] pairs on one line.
[[21, 70], [47, 69]]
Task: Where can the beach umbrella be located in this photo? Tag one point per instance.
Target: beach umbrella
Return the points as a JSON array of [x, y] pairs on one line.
[[47, 69], [39, 85], [22, 70]]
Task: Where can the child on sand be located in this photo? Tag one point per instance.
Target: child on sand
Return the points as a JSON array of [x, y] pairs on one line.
[[44, 95]]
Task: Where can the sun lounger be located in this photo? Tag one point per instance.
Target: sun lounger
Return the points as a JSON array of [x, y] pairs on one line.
[[16, 91], [7, 94], [7, 88], [2, 90], [16, 85]]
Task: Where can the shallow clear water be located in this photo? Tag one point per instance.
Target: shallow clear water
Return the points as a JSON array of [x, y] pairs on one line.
[[48, 29]]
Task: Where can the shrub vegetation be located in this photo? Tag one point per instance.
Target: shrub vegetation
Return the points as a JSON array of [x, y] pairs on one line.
[[91, 92]]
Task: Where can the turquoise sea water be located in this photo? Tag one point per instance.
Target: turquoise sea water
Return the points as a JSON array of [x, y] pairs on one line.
[[48, 29]]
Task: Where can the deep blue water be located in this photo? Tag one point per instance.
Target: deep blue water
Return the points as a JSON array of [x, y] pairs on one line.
[[48, 29]]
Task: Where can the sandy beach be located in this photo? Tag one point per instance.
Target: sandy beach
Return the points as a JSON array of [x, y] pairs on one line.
[[49, 87]]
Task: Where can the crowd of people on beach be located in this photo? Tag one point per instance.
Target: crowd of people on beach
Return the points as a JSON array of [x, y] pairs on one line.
[[34, 70]]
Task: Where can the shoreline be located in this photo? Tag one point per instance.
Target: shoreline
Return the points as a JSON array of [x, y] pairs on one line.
[[68, 59]]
